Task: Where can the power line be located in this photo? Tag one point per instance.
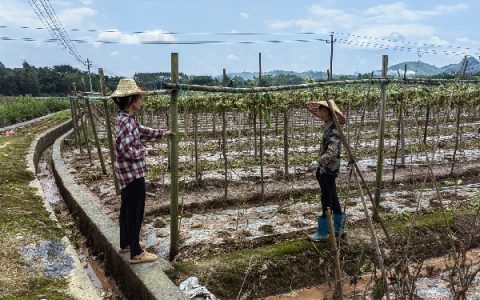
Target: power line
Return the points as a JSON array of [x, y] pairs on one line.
[[407, 42], [45, 12], [93, 30], [161, 42], [365, 44]]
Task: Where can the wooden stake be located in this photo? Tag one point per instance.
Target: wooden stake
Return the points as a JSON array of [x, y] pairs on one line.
[[224, 142], [109, 130], [174, 226], [376, 245], [74, 119], [84, 129], [457, 136], [336, 258], [97, 142], [285, 142], [195, 142], [261, 153], [352, 160], [381, 134]]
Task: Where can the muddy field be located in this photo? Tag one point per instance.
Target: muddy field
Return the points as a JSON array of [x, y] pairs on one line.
[[213, 227]]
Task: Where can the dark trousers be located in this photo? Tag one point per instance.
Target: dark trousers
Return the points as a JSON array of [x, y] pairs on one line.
[[131, 215], [329, 196]]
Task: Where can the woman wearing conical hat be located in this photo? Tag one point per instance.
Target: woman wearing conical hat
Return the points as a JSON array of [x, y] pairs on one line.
[[130, 167], [327, 169]]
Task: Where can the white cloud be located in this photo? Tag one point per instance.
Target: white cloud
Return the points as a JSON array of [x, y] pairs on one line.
[[114, 53], [466, 40], [86, 2], [55, 3], [75, 16], [435, 40], [114, 35], [14, 13], [244, 15], [278, 24], [382, 25], [232, 57], [399, 12]]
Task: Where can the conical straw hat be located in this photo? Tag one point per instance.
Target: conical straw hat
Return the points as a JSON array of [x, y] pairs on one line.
[[127, 87], [314, 108]]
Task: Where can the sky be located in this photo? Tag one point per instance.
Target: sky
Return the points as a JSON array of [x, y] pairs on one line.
[[118, 35]]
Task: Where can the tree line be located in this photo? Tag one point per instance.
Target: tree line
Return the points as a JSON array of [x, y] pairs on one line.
[[59, 80]]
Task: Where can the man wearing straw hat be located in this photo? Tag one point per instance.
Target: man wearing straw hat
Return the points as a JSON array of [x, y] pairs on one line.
[[130, 167], [327, 168]]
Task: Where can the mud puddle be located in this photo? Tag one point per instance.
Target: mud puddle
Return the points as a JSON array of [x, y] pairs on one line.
[[427, 286]]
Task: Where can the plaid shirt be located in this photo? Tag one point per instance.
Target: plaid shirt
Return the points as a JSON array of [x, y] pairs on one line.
[[329, 161], [129, 149]]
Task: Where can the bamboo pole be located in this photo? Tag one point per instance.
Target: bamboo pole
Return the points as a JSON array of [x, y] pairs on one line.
[[239, 144], [457, 136], [402, 129], [169, 145], [255, 133], [174, 226], [336, 258], [195, 143], [75, 124], [72, 112], [381, 134], [376, 245], [224, 143], [97, 142], [397, 142], [216, 89], [260, 125], [109, 130], [352, 160], [285, 142], [427, 118], [84, 129]]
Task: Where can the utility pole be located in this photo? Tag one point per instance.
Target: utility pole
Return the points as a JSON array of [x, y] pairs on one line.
[[330, 74], [259, 69], [89, 64]]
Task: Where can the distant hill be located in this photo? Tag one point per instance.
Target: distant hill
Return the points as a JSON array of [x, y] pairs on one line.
[[473, 66], [415, 67], [251, 75]]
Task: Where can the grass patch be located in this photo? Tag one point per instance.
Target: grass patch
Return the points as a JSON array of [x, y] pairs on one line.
[[23, 219], [18, 109]]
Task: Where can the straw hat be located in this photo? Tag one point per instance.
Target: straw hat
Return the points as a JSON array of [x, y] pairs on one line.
[[314, 108], [127, 87]]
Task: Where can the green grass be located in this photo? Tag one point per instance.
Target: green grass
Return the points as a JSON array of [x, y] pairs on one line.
[[19, 109], [23, 219]]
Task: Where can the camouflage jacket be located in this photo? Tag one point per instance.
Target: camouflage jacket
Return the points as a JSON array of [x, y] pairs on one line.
[[329, 161]]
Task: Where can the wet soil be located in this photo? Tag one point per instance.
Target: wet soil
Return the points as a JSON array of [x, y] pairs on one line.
[[91, 261]]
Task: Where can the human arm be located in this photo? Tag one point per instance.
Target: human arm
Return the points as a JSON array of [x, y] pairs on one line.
[[150, 134]]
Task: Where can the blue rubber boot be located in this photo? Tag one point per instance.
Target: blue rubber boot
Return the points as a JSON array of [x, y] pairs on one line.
[[322, 232], [339, 224]]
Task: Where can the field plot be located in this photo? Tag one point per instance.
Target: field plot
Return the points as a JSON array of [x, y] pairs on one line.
[[248, 198]]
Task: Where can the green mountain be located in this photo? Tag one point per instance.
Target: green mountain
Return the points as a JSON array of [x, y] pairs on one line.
[[418, 68]]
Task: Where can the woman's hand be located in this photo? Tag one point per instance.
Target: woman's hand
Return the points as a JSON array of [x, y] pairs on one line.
[[169, 133]]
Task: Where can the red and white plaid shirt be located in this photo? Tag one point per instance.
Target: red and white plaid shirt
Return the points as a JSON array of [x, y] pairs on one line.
[[129, 149]]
